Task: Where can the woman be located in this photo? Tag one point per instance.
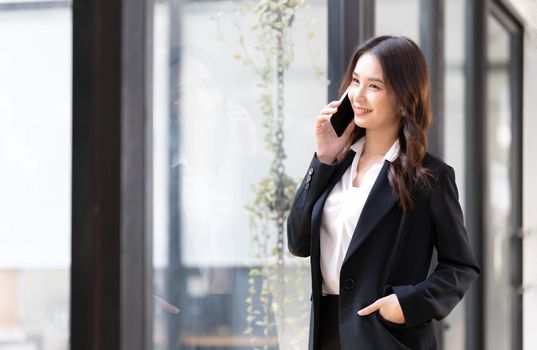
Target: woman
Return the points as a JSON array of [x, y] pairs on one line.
[[373, 205]]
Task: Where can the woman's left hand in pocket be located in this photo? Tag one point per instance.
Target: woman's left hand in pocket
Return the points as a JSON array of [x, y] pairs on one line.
[[388, 307]]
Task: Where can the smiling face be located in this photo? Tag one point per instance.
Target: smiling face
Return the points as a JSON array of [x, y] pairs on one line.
[[374, 104]]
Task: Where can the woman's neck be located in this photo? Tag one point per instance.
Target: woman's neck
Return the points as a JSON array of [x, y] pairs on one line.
[[377, 144]]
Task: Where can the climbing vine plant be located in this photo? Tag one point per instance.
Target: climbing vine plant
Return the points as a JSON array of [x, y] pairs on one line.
[[274, 193]]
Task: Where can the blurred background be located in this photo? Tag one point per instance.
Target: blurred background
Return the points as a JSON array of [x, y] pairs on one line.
[[233, 92]]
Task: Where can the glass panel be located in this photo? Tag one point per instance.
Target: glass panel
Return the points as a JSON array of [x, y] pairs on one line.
[[398, 17], [224, 86], [498, 197], [454, 136], [35, 186]]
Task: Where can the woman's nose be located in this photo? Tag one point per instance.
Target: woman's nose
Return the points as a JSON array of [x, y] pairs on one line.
[[358, 94]]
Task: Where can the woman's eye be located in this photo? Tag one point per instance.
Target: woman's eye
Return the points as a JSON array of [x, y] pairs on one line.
[[354, 80], [374, 86]]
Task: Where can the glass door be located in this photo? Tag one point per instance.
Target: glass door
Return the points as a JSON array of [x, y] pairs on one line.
[[236, 85], [502, 216]]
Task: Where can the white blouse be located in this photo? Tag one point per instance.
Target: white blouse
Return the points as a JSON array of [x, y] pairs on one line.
[[342, 210]]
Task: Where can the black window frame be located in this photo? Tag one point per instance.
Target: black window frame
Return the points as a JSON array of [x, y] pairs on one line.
[[111, 269], [475, 109]]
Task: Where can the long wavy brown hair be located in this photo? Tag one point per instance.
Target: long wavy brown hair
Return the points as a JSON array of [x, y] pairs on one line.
[[406, 76]]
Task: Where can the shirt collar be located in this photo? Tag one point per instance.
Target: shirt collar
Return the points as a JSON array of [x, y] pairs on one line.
[[390, 156]]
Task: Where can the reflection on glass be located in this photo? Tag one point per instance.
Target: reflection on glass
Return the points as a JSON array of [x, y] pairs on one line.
[[498, 189], [454, 136], [234, 107], [35, 186], [398, 17]]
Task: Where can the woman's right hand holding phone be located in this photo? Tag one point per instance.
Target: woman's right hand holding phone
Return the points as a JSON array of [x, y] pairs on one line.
[[328, 145]]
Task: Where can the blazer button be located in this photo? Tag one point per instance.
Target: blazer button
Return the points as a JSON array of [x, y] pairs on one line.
[[349, 284], [307, 185], [308, 179], [310, 171]]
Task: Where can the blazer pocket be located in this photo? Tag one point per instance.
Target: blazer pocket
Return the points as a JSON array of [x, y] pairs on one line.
[[391, 326], [419, 337]]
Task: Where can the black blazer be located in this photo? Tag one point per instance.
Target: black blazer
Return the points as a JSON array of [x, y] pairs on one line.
[[390, 252]]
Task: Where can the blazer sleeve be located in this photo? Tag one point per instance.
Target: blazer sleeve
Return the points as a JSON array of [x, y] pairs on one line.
[[457, 268], [299, 220]]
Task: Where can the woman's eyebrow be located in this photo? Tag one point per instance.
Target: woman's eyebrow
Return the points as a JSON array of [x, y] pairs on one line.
[[370, 79]]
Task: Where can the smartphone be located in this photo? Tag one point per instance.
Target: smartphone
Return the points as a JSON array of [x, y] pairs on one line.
[[343, 116]]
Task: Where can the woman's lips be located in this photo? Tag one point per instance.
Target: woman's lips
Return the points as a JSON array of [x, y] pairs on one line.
[[362, 111]]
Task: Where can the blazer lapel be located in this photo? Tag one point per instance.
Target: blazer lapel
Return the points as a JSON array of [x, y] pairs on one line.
[[377, 205], [319, 206]]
